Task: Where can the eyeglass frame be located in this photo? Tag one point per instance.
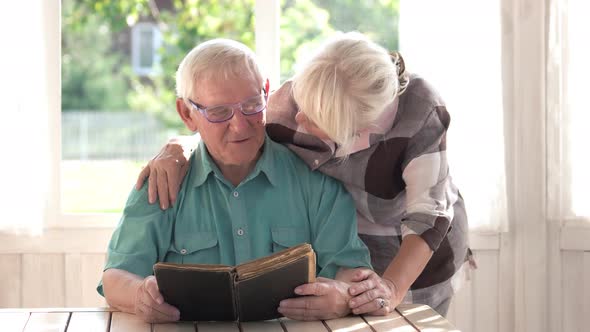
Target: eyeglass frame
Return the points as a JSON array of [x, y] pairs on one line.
[[203, 110]]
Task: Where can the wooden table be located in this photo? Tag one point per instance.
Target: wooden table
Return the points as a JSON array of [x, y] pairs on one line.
[[407, 318]]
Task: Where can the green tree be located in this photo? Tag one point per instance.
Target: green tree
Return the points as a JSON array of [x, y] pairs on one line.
[[306, 23], [93, 77], [186, 23]]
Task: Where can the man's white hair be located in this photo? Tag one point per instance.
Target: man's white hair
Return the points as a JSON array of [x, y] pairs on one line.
[[216, 59], [346, 86]]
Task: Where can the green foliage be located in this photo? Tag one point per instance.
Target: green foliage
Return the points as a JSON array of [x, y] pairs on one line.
[[93, 77], [186, 23], [306, 23]]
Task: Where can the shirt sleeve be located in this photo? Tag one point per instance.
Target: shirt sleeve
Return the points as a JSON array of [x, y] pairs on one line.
[[429, 198], [334, 227], [141, 238]]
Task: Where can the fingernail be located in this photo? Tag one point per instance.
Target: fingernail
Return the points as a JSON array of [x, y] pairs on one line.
[[279, 309], [298, 291], [160, 300]]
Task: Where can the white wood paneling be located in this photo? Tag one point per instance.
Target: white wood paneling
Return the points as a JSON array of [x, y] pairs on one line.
[[43, 282], [10, 280], [485, 292], [462, 306], [73, 240], [586, 294], [82, 273], [573, 286]]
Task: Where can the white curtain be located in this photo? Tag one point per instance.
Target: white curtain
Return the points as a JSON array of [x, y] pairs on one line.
[[568, 71], [456, 45], [25, 166]]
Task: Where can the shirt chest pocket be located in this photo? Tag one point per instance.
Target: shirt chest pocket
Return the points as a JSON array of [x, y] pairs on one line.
[[195, 248], [286, 237]]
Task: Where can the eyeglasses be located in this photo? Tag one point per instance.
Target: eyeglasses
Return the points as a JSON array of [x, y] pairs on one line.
[[222, 113]]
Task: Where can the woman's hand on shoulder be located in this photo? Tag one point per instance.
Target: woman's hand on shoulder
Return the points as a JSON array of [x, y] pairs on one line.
[[164, 173]]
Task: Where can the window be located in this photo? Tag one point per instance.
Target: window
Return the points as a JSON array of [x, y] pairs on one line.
[[118, 98], [464, 65], [305, 24], [145, 44]]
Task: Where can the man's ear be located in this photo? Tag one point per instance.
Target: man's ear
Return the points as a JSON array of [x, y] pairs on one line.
[[185, 114]]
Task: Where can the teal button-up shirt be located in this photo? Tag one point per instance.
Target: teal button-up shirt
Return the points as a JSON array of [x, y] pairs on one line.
[[281, 203]]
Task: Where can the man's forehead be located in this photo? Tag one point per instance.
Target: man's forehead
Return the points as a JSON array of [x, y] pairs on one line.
[[222, 90]]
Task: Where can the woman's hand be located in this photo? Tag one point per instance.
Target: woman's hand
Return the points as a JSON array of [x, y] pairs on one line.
[[372, 294], [150, 305], [323, 299], [165, 174]]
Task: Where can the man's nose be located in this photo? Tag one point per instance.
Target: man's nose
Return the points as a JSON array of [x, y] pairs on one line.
[[239, 121]]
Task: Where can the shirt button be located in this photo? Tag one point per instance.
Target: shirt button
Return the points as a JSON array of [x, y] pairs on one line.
[[236, 194], [316, 162], [183, 251], [240, 232]]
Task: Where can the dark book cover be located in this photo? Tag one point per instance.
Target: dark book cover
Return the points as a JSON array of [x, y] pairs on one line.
[[247, 292]]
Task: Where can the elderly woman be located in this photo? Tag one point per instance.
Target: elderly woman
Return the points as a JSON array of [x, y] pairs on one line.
[[354, 114]]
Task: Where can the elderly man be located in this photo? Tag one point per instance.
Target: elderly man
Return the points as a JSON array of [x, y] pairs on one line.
[[244, 196]]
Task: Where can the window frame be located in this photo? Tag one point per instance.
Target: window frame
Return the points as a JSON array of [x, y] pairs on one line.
[[267, 49]]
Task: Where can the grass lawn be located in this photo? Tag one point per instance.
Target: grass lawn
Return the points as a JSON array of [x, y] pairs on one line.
[[97, 186]]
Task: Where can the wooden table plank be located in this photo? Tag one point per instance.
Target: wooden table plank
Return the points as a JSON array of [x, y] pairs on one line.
[[124, 322], [47, 322], [14, 321], [217, 326], [97, 321], [30, 310], [425, 319], [174, 327], [348, 323], [392, 322], [303, 326], [262, 326]]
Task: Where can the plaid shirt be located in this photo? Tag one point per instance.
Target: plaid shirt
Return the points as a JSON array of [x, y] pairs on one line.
[[399, 178]]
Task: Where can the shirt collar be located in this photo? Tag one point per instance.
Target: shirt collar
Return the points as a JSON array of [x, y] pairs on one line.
[[203, 164]]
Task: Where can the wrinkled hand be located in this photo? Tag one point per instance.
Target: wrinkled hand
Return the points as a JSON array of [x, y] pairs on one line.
[[165, 174], [323, 299], [150, 305], [370, 291]]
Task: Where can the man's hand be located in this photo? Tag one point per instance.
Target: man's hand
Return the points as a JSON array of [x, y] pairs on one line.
[[372, 294], [165, 174], [150, 305], [324, 299]]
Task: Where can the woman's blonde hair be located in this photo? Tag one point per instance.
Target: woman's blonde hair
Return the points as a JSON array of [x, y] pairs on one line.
[[216, 59], [346, 86]]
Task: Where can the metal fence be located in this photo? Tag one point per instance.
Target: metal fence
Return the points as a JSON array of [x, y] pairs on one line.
[[111, 135]]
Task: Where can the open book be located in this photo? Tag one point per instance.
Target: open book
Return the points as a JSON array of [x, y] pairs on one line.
[[246, 292]]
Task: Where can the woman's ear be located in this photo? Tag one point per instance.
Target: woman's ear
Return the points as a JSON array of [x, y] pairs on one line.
[[186, 115]]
